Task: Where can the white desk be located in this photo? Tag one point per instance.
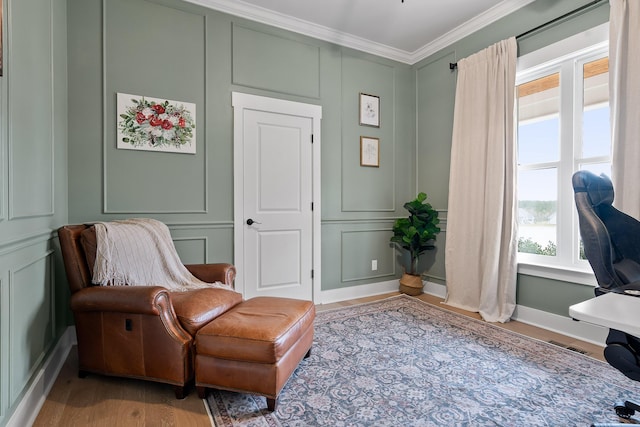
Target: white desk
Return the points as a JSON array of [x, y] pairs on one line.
[[614, 311]]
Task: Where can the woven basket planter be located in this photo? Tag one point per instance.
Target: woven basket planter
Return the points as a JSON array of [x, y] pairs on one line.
[[411, 284]]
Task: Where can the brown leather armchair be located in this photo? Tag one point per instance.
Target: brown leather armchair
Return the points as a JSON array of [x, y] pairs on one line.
[[144, 332]]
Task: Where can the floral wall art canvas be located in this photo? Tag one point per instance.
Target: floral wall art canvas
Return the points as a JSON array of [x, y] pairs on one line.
[[156, 124]]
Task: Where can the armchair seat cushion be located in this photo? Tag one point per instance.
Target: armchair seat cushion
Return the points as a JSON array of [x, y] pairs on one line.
[[197, 307]]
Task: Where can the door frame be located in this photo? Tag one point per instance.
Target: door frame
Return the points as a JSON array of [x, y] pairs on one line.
[[241, 102]]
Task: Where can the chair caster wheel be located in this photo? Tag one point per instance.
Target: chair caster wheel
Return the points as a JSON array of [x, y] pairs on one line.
[[623, 411]]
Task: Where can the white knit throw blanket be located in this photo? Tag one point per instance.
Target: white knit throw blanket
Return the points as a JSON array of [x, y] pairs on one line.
[[140, 252]]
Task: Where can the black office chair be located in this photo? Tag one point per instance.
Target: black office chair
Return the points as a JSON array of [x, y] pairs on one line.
[[611, 241]]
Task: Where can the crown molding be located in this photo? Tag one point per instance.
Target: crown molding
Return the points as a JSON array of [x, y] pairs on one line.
[[279, 20], [490, 16], [300, 26]]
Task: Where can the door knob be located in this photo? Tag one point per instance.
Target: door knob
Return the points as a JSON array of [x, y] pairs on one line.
[[251, 222]]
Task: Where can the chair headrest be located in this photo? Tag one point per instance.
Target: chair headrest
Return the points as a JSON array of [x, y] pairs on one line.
[[599, 189]]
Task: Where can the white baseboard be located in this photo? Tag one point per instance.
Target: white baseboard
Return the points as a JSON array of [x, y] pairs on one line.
[[35, 396], [543, 319], [435, 289], [354, 292], [563, 325]]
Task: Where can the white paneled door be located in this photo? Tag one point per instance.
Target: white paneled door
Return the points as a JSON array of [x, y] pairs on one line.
[[274, 218]]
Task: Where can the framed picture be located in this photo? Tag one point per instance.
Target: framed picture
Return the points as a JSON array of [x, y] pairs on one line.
[[156, 124], [369, 151], [369, 110]]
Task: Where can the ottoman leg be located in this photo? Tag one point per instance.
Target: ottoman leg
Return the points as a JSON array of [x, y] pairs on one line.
[[272, 403], [202, 392], [180, 392]]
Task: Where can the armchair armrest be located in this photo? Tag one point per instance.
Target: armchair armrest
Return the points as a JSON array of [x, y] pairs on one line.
[[220, 272], [123, 299], [141, 300]]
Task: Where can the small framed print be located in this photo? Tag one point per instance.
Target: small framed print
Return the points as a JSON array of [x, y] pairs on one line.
[[369, 110], [369, 151]]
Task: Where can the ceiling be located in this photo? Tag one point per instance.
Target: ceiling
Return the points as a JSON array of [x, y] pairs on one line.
[[402, 30]]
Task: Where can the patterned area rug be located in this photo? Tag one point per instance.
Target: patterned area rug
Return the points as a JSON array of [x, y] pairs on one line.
[[403, 362]]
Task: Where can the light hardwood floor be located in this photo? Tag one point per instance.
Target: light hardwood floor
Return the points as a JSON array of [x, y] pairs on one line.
[[105, 401]]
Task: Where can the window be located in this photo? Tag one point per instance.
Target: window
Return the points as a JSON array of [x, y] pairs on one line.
[[562, 126]]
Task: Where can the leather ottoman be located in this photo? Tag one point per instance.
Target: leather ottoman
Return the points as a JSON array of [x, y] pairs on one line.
[[254, 347]]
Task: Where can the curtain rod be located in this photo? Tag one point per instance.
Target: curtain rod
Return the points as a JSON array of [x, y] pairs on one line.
[[454, 65]]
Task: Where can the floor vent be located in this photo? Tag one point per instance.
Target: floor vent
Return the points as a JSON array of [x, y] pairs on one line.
[[568, 347], [577, 350]]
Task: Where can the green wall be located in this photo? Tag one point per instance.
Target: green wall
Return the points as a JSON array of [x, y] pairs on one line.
[[66, 59], [435, 92], [210, 54], [33, 191], [205, 56]]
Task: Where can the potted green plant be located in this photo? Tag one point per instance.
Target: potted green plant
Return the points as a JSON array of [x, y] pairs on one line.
[[415, 234]]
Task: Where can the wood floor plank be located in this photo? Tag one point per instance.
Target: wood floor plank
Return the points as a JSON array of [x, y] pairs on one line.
[[107, 401]]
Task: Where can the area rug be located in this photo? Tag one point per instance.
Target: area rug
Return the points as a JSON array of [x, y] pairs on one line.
[[404, 362]]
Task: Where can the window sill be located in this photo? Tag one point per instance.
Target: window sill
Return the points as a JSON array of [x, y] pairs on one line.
[[556, 272]]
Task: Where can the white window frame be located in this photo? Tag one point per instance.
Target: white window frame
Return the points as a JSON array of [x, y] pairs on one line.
[[566, 57]]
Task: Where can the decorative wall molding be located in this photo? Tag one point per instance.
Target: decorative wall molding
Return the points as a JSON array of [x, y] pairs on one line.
[[15, 389], [13, 212], [24, 241], [371, 276], [286, 87], [105, 126], [391, 220], [4, 158], [4, 350], [386, 132], [199, 225], [204, 239], [337, 221], [433, 276]]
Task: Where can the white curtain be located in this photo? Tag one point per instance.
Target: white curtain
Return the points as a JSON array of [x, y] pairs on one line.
[[624, 88], [481, 247]]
